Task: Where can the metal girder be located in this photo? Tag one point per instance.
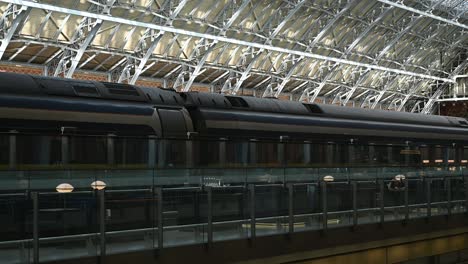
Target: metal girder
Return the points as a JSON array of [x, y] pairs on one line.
[[292, 9], [383, 52], [136, 65], [400, 5], [11, 20], [84, 34], [206, 46], [276, 91], [219, 38]]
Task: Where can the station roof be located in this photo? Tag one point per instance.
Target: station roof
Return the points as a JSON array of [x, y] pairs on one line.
[[397, 55]]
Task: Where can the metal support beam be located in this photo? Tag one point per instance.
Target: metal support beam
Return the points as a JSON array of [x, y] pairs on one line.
[[10, 21], [400, 5]]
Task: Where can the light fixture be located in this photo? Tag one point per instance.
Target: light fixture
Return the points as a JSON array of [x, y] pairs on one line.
[[438, 161], [425, 161], [451, 161], [64, 188], [464, 161], [98, 185], [400, 177], [328, 178]]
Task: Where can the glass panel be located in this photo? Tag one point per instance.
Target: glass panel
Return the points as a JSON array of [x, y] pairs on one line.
[[394, 200], [416, 198], [368, 202], [307, 207], [265, 175], [339, 204], [271, 208], [129, 220], [230, 213], [4, 151], [438, 197], [457, 186], [184, 216], [68, 225]]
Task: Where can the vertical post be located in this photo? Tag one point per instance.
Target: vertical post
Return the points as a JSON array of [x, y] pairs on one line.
[[466, 193], [151, 151], [428, 197], [406, 184], [159, 194], [65, 150], [222, 152], [355, 214], [110, 149], [307, 149], [12, 149], [324, 205], [291, 208], [382, 201], [449, 195], [102, 223], [35, 198], [252, 210], [209, 194]]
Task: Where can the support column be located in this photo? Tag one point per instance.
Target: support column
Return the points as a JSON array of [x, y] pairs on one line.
[[324, 205], [35, 199], [151, 151], [159, 195], [102, 223], [12, 149], [252, 211], [209, 194], [291, 207]]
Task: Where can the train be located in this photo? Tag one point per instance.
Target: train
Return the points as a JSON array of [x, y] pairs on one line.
[[90, 123]]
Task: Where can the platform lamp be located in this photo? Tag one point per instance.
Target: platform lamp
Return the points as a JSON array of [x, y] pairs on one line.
[[328, 178], [98, 185], [64, 188]]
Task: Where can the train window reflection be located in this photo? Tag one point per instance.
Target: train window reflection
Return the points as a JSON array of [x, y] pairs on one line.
[[88, 150], [4, 150], [208, 153], [131, 151], [38, 150], [267, 154]]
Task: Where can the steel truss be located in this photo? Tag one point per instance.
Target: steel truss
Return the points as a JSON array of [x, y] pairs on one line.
[[261, 46]]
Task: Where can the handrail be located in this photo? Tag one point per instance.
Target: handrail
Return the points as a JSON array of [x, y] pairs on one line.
[[177, 227]]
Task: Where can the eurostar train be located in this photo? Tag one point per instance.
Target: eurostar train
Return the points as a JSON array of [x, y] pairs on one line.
[[53, 122]]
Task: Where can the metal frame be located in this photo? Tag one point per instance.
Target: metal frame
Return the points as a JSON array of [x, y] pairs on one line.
[[263, 47]]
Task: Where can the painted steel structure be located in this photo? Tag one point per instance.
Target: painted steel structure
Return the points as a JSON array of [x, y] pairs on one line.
[[388, 54]]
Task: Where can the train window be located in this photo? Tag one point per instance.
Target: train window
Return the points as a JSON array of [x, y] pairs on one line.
[[38, 150], [88, 150], [208, 153], [4, 149], [236, 153], [176, 153], [131, 151], [294, 154], [267, 154]]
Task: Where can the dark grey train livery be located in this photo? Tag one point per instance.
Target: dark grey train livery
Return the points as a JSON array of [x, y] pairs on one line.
[[315, 134], [166, 113]]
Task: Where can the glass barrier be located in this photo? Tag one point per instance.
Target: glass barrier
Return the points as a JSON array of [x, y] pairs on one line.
[[184, 216], [70, 218], [368, 198], [230, 213], [307, 207], [271, 209], [339, 204]]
